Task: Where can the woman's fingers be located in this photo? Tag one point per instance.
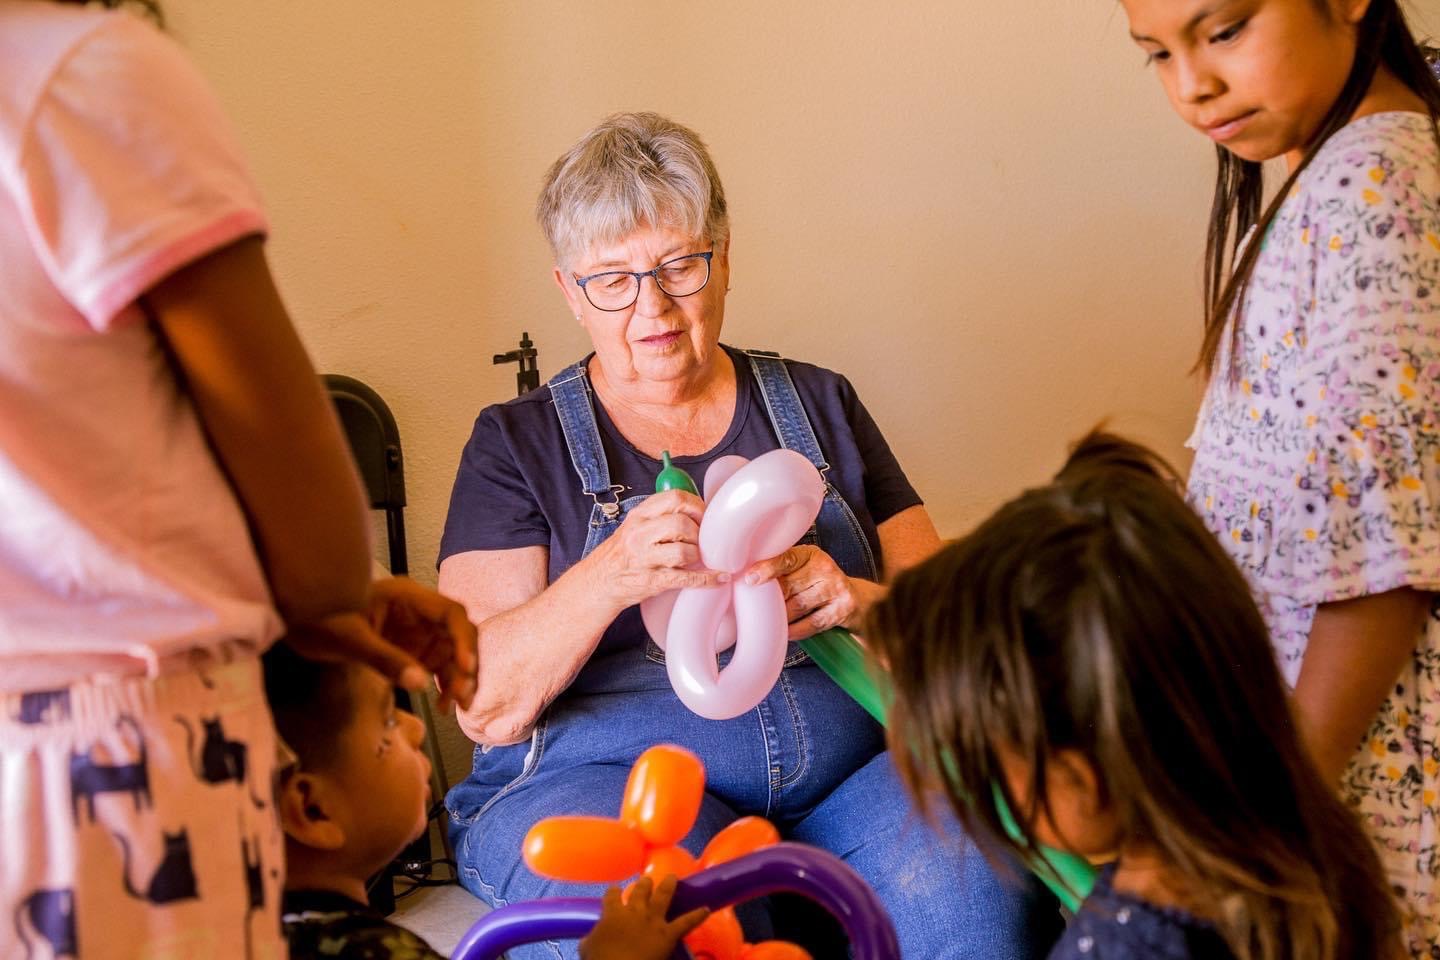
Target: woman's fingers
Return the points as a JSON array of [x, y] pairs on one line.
[[668, 528], [674, 555], [663, 580], [778, 568], [671, 502], [817, 621], [806, 597]]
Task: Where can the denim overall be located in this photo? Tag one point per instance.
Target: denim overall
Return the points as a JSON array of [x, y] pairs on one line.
[[807, 757]]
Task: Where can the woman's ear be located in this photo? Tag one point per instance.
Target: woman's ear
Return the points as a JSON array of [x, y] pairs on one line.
[[574, 297], [722, 253], [306, 806]]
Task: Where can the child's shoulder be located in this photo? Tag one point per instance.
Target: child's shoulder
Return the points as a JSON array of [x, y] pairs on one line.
[[1377, 152], [1116, 926], [326, 926], [43, 44], [36, 37]]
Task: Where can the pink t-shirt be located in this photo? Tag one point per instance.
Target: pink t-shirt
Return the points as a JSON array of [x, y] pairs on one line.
[[122, 546]]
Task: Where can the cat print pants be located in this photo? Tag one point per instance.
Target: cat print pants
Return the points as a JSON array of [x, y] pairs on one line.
[[137, 819]]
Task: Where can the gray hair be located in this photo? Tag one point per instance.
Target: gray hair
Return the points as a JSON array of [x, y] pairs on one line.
[[632, 170]]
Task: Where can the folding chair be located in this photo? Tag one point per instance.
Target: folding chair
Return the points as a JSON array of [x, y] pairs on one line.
[[375, 443]]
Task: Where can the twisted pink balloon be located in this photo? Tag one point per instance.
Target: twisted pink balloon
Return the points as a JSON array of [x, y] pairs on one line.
[[754, 510]]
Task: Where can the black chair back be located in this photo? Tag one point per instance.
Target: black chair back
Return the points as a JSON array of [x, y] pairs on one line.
[[375, 442]]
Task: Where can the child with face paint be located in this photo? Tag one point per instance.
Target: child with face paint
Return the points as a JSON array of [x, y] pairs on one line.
[[357, 793]]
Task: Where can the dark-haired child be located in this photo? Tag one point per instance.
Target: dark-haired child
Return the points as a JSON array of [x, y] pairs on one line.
[[1093, 652], [358, 793], [355, 796], [1317, 458]]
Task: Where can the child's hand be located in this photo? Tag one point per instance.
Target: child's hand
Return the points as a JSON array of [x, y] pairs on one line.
[[408, 633], [635, 928], [433, 629]]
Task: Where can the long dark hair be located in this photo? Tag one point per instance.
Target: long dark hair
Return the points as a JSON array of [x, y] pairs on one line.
[[1383, 39], [1098, 614], [151, 8]]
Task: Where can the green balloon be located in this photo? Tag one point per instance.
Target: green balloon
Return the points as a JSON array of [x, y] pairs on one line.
[[672, 477], [835, 651]]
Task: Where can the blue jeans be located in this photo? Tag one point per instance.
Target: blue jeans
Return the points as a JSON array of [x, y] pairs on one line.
[[808, 759]]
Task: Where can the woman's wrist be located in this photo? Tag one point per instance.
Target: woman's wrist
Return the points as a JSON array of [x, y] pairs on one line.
[[594, 584], [864, 594]]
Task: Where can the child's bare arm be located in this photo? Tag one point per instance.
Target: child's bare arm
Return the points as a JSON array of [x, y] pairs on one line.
[[635, 928], [278, 440], [1357, 649], [272, 428]]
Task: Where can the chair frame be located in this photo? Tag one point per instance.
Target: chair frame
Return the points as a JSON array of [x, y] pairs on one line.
[[374, 440]]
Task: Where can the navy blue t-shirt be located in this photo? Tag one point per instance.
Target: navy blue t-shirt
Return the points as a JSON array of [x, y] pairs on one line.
[[1117, 926], [516, 485]]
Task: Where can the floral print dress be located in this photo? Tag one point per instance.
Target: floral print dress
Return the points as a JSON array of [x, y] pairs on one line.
[[1318, 464]]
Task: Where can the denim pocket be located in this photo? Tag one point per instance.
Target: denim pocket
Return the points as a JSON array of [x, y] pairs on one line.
[[528, 765]]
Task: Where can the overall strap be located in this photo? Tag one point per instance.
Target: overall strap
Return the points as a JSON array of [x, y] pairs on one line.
[[783, 406], [570, 391]]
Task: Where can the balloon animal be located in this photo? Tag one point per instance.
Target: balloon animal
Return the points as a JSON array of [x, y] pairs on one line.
[[754, 510], [661, 801]]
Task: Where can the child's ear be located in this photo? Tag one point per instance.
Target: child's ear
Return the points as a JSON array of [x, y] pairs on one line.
[[1353, 11], [1076, 776], [306, 804]]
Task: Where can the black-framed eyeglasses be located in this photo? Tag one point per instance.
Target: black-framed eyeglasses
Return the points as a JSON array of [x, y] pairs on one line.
[[616, 290]]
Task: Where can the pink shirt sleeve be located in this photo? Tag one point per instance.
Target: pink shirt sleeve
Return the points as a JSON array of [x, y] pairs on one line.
[[129, 170]]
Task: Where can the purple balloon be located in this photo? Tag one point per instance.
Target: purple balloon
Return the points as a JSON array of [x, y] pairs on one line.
[[783, 868]]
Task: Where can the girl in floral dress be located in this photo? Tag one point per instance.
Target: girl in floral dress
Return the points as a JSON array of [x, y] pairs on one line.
[[1318, 444]]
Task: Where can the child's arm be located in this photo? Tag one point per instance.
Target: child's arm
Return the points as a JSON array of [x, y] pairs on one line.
[[279, 442], [635, 928], [1355, 651]]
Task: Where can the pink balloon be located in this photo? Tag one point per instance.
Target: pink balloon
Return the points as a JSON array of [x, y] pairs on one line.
[[722, 469], [761, 635], [655, 612], [761, 511], [754, 511]]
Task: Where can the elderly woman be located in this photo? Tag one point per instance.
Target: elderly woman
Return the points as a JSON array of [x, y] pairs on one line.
[[552, 541]]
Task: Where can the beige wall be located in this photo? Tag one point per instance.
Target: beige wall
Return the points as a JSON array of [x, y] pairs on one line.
[[983, 213]]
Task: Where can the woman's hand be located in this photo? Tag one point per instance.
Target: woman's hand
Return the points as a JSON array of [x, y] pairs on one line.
[[818, 594], [657, 548], [634, 927]]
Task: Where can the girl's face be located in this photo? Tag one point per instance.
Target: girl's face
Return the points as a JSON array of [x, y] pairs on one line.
[[1256, 76]]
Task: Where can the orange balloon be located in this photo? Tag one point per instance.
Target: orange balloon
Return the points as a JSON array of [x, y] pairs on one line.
[[663, 794], [774, 950], [660, 862], [584, 849], [741, 837], [718, 938]]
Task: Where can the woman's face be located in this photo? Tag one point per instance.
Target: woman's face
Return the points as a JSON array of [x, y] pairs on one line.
[[659, 338], [1256, 76]]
